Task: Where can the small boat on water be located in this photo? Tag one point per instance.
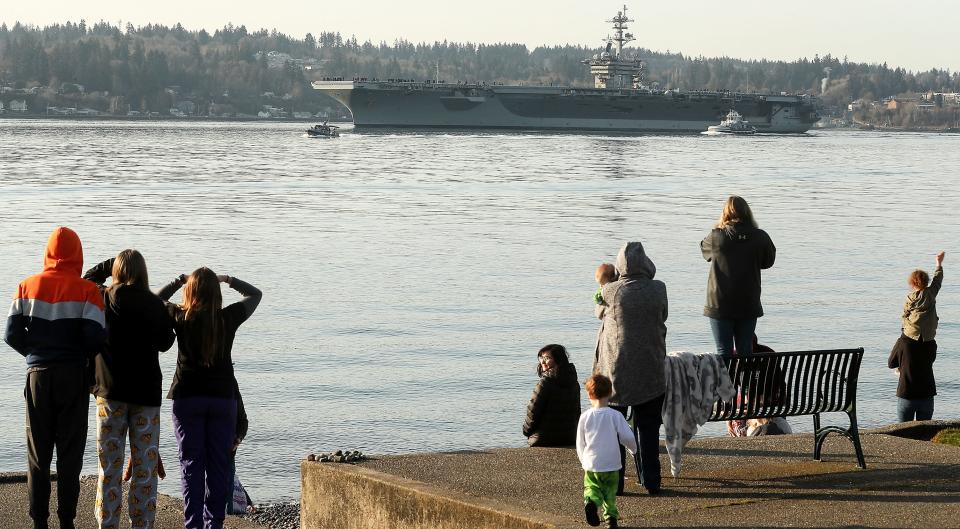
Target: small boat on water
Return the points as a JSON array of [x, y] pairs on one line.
[[323, 131], [732, 124]]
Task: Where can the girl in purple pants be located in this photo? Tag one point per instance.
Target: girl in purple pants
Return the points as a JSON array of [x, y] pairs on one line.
[[204, 403]]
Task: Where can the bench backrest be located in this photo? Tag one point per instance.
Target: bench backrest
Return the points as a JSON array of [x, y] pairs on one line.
[[790, 384]]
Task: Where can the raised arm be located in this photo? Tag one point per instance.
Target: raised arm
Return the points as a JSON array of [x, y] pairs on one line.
[[251, 294], [100, 272], [172, 287], [937, 281]]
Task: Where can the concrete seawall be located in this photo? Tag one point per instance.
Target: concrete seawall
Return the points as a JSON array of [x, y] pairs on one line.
[[337, 496], [753, 482]]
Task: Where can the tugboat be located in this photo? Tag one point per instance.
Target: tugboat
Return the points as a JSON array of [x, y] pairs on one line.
[[323, 131], [732, 124]]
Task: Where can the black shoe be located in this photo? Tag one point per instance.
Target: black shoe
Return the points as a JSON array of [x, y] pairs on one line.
[[590, 511], [612, 523], [653, 492], [40, 525], [67, 524]]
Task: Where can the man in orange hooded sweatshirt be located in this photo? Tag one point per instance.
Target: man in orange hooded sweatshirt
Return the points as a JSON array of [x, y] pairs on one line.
[[56, 321]]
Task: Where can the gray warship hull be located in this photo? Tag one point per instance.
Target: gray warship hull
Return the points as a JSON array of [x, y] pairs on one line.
[[431, 105]]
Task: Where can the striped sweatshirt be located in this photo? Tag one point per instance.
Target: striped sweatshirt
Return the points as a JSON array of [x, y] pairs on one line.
[[56, 316]]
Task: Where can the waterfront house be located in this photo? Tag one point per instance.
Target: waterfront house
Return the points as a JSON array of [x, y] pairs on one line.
[[895, 103]]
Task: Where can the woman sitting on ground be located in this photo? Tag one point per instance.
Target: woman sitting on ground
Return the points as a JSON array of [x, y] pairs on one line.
[[554, 408]]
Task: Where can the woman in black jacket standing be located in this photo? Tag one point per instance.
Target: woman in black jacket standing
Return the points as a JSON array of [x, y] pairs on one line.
[[554, 408], [737, 250], [127, 388]]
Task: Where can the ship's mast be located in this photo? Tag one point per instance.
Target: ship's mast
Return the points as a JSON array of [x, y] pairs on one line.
[[619, 27]]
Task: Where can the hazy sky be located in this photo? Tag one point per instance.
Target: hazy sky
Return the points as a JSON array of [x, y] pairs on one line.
[[915, 36]]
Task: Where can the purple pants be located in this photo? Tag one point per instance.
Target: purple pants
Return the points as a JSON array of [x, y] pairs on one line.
[[205, 428]]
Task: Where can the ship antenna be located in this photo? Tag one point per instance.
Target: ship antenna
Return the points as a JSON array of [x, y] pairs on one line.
[[614, 71], [619, 26]]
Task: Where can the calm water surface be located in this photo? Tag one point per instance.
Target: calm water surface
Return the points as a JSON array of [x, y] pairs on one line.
[[410, 278]]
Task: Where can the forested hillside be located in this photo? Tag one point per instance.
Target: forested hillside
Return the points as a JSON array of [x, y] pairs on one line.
[[155, 68]]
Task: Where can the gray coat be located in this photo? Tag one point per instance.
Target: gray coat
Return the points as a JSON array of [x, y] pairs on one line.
[[631, 343]]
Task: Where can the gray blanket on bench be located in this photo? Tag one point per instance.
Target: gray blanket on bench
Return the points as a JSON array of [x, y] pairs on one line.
[[694, 383]]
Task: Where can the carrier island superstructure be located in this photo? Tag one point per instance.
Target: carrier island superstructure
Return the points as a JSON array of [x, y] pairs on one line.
[[618, 101]]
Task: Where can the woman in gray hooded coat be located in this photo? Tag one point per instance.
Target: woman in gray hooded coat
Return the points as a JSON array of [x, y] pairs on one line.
[[631, 351]]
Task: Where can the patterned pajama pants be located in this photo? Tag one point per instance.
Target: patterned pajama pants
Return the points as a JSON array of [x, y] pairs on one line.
[[114, 420]]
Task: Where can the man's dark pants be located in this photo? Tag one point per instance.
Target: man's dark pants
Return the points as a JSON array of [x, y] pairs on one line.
[[647, 418], [57, 406]]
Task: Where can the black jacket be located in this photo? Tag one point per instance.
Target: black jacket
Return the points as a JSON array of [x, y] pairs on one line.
[[915, 360], [554, 409], [138, 328], [192, 378], [736, 255]]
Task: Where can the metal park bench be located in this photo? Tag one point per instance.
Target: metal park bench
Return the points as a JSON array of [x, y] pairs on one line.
[[796, 383]]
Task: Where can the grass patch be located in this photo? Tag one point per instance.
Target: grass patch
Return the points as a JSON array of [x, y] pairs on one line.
[[950, 436]]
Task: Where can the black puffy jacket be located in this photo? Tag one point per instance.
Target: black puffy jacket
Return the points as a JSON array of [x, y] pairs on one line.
[[554, 409]]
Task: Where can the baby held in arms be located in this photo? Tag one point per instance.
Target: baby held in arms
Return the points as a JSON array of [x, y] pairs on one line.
[[605, 274]]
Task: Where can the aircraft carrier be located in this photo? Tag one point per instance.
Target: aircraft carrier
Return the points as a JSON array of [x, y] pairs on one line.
[[618, 101]]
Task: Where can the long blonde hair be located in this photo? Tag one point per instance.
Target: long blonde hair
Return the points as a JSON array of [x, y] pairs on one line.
[[202, 303], [129, 269], [736, 211]]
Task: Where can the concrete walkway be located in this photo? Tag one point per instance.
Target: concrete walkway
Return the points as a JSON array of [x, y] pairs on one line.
[[755, 482], [760, 482], [14, 511]]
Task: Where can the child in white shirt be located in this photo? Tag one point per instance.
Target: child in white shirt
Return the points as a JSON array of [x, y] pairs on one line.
[[600, 432]]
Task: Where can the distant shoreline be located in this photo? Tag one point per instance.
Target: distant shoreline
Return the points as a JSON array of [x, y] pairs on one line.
[[165, 119], [225, 119]]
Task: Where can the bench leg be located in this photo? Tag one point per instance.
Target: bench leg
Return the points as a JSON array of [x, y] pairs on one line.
[[816, 436], [855, 437], [853, 433]]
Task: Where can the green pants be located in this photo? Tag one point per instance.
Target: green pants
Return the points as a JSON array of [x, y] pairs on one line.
[[601, 489]]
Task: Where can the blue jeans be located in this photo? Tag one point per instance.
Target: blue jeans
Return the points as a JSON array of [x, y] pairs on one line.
[[907, 409], [728, 332]]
